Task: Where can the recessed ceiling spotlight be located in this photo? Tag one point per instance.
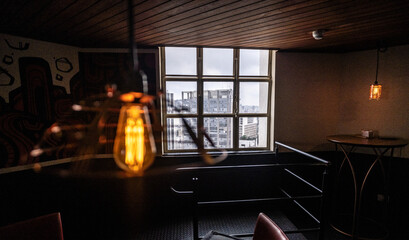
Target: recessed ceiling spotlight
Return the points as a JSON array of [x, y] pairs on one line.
[[318, 34]]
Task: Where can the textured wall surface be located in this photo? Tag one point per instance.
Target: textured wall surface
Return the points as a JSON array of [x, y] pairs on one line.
[[307, 99], [323, 94], [39, 82]]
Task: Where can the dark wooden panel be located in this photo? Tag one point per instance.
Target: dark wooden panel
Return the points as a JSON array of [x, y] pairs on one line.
[[255, 23], [119, 22], [288, 30], [277, 23], [95, 23], [121, 29], [86, 18], [363, 29], [9, 11], [51, 29], [178, 18], [28, 12], [305, 20], [49, 14], [251, 14]]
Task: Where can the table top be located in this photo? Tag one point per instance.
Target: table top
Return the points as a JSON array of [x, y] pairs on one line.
[[357, 140]]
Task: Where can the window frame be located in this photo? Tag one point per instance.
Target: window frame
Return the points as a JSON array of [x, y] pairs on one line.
[[236, 79]]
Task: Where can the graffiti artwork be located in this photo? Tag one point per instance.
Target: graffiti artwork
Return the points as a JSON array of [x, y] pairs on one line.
[[58, 77], [37, 104], [63, 65], [8, 60], [5, 78], [20, 46]]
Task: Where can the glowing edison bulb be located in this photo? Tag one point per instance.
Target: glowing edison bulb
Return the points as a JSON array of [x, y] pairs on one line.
[[134, 146], [375, 91]]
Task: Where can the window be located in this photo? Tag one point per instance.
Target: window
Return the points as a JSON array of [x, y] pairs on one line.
[[225, 91]]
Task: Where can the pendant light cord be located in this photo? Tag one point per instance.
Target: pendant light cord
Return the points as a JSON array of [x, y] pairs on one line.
[[135, 71], [132, 47], [377, 65]]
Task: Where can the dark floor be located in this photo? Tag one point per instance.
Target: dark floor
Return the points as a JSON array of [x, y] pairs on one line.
[[221, 220], [230, 222]]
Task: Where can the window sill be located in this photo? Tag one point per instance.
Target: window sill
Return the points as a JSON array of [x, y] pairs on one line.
[[230, 153]]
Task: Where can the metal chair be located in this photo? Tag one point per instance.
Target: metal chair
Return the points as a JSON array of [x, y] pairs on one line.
[[47, 227], [266, 229]]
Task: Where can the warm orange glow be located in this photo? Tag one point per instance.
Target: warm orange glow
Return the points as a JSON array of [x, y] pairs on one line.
[[130, 96], [127, 97], [134, 148], [134, 142], [375, 91]]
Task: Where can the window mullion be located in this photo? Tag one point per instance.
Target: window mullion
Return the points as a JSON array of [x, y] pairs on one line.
[[200, 94], [164, 98], [269, 122], [236, 99]]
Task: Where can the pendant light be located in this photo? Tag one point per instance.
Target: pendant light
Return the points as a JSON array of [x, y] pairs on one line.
[[376, 88], [134, 146]]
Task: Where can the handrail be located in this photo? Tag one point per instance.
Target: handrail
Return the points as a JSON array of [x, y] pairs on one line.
[[303, 180], [181, 192], [252, 200], [274, 165], [301, 206], [302, 153], [287, 196], [323, 190]]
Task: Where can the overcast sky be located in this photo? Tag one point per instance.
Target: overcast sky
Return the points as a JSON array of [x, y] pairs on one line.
[[216, 61]]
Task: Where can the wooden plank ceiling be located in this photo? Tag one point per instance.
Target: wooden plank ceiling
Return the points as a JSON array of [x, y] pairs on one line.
[[285, 25]]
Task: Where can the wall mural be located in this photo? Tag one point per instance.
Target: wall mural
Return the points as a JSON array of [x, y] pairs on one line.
[[39, 89], [30, 99], [6, 79]]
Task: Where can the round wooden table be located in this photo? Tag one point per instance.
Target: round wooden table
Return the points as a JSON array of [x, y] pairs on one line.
[[357, 140], [380, 146]]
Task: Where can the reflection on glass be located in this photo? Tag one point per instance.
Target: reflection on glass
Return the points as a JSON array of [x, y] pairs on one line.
[[253, 97], [217, 97], [252, 132], [220, 131], [177, 135], [180, 61], [182, 95], [253, 62], [218, 61]]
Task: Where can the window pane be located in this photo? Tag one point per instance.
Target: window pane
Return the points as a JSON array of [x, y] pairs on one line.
[[180, 61], [177, 135], [218, 97], [218, 61], [220, 131], [181, 95], [252, 132], [253, 97], [253, 62]]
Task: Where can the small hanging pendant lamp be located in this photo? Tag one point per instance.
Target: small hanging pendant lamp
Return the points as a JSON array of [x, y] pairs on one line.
[[376, 88]]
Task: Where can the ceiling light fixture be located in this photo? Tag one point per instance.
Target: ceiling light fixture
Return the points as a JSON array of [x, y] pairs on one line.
[[318, 34], [376, 88]]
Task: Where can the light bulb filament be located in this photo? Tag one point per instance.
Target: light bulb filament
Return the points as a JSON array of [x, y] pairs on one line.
[[132, 147], [375, 91]]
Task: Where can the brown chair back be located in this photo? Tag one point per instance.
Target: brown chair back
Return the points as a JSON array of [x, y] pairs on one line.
[[48, 227], [266, 229]]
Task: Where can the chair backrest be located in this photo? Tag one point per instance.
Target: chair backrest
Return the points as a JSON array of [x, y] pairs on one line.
[[266, 229], [47, 227]]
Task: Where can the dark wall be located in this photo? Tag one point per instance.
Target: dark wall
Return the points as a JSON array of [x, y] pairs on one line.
[[110, 204], [37, 104]]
